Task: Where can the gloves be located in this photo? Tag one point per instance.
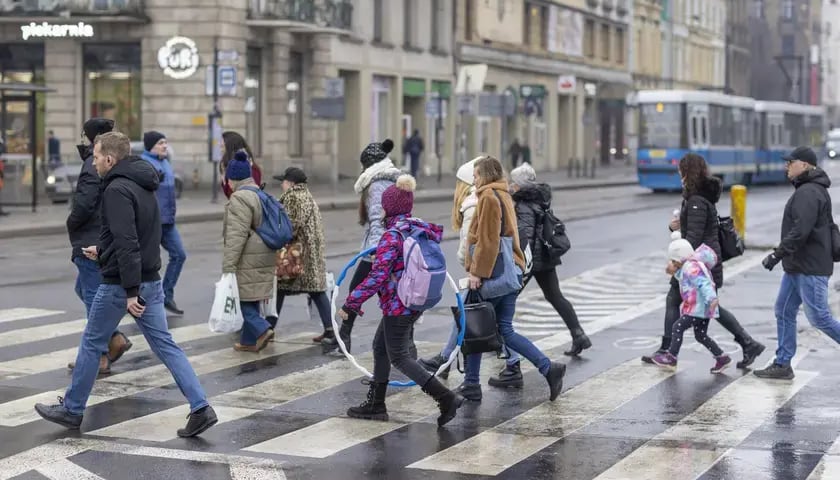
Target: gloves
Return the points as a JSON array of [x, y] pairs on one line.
[[770, 261]]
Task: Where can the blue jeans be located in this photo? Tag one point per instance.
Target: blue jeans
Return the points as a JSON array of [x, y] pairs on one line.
[[796, 289], [170, 240], [87, 283], [108, 308], [505, 307], [254, 325]]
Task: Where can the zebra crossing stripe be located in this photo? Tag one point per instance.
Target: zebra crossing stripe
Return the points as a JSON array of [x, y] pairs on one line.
[[43, 332], [13, 314], [63, 469], [41, 455], [492, 452], [737, 410], [45, 362], [161, 426], [20, 411], [829, 466]]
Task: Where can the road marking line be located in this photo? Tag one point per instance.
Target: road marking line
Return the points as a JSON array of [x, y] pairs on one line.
[[64, 469], [20, 411], [829, 466], [43, 332], [13, 314], [494, 451], [162, 426]]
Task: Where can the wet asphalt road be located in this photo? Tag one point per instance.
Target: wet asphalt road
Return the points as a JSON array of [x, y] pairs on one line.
[[282, 412]]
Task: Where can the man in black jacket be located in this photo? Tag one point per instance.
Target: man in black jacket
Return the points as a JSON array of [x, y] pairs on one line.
[[806, 255], [128, 252], [83, 226]]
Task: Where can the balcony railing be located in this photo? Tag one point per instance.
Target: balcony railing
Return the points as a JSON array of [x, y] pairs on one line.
[[65, 8], [336, 14]]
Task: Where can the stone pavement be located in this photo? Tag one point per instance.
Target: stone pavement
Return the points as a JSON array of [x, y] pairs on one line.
[[195, 205]]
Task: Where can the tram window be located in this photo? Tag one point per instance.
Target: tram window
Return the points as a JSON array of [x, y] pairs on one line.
[[695, 137], [662, 126], [705, 131]]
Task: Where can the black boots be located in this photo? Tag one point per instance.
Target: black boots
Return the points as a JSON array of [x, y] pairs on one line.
[[555, 375], [374, 407], [752, 350], [448, 401], [509, 377], [198, 422], [433, 364], [580, 342], [330, 344]]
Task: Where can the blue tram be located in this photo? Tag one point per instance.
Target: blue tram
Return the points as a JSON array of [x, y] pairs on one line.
[[741, 139]]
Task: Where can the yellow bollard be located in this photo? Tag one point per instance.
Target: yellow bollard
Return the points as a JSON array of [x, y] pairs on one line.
[[738, 195]]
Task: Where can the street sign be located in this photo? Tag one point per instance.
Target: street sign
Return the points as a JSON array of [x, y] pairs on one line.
[[334, 87], [327, 108], [433, 107], [491, 105], [535, 90], [471, 79], [465, 104], [227, 81], [566, 84], [227, 55], [509, 104]]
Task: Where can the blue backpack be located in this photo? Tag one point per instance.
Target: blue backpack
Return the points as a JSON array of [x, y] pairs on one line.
[[276, 228], [421, 285]]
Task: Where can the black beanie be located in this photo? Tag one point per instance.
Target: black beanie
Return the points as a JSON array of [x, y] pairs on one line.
[[151, 138], [376, 152], [97, 126]]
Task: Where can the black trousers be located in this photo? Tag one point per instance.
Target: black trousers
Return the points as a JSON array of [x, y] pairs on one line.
[[320, 299], [672, 314], [550, 286], [393, 344], [701, 326]]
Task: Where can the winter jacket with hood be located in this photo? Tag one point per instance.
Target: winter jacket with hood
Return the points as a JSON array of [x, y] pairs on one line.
[[166, 193], [371, 184], [531, 202], [696, 288], [245, 254], [805, 246], [388, 268], [486, 230], [699, 222], [129, 243]]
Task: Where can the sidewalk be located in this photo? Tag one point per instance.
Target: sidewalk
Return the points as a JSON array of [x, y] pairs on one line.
[[195, 205]]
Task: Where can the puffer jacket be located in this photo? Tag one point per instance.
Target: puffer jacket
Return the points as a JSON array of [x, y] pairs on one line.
[[308, 229], [467, 212], [699, 222], [245, 254], [388, 268], [805, 246], [371, 184], [531, 202], [696, 288], [166, 194]]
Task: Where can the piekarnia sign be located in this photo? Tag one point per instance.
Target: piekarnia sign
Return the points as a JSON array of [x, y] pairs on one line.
[[49, 30]]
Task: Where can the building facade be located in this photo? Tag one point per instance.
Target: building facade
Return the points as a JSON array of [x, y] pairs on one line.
[[149, 65], [563, 67], [830, 64], [785, 50], [737, 75]]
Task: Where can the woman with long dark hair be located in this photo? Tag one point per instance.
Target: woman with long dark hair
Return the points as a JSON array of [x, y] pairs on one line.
[[698, 223], [232, 142]]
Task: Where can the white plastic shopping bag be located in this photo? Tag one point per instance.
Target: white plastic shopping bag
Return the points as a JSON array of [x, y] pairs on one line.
[[268, 307], [226, 316]]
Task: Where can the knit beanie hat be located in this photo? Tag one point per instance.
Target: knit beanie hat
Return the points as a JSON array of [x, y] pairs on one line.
[[151, 138], [239, 167], [465, 172], [523, 175], [679, 249], [97, 126], [376, 152], [398, 199]]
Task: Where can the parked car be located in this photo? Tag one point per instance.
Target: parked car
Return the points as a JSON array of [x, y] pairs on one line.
[[61, 181]]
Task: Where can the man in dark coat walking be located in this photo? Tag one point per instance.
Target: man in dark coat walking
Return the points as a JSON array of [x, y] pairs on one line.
[[806, 254]]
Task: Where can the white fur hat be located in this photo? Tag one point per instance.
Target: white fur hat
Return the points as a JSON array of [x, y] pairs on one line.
[[465, 171], [679, 249]]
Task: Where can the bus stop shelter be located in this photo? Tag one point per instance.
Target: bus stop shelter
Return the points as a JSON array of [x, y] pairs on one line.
[[19, 152]]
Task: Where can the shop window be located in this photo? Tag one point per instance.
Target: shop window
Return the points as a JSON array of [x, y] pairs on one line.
[[22, 63], [112, 85], [253, 101], [294, 105]]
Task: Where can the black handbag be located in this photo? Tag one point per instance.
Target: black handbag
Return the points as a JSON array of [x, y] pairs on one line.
[[482, 332], [731, 244]]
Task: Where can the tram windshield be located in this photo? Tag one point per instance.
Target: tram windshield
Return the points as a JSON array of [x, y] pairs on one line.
[[661, 125]]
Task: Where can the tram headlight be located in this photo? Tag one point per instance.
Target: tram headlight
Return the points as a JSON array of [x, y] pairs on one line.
[[832, 154], [51, 180]]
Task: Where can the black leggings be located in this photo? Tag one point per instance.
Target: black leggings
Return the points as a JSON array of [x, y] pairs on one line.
[[701, 326], [672, 314], [320, 299], [550, 286]]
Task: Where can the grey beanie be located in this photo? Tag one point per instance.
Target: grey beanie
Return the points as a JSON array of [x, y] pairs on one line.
[[523, 175]]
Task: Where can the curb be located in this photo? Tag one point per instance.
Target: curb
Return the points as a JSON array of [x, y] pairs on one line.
[[349, 203]]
